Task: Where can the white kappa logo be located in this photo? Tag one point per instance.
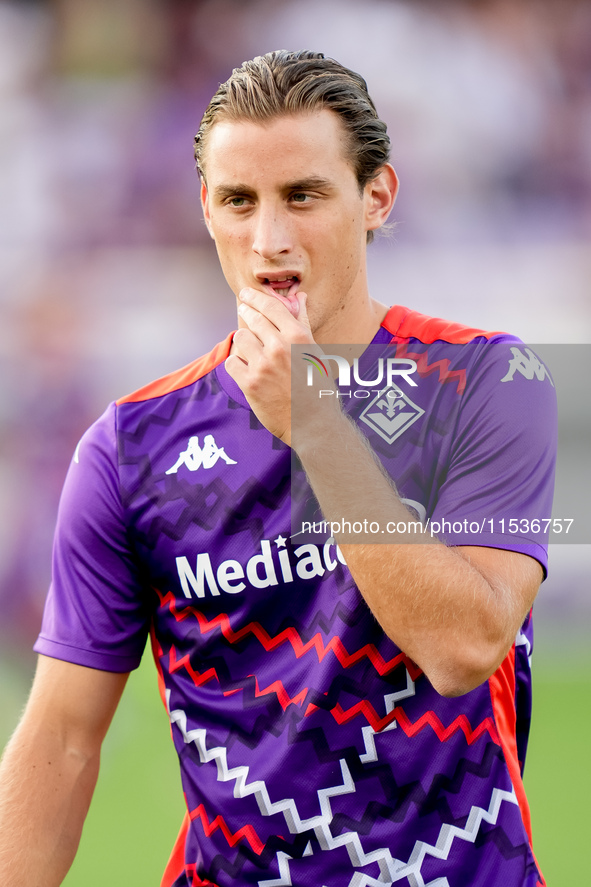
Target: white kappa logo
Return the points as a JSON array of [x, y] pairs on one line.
[[390, 413], [528, 365], [195, 456]]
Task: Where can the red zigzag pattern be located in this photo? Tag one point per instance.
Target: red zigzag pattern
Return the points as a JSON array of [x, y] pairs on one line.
[[247, 831], [200, 678], [343, 716], [290, 635], [442, 366]]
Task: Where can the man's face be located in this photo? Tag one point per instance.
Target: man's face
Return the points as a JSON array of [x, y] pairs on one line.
[[282, 202]]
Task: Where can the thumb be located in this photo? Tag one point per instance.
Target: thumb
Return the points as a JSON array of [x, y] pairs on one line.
[[302, 315]]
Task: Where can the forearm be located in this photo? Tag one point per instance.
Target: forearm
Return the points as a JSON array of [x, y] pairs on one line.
[[46, 786], [429, 599], [454, 611], [49, 770]]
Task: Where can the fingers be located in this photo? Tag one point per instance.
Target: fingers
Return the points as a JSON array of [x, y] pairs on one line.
[[260, 361], [262, 345], [276, 313], [246, 345]]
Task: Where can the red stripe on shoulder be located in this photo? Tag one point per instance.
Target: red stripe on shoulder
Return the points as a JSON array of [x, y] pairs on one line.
[[183, 377], [406, 324]]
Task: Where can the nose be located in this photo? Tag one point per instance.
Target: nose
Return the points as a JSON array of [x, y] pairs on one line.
[[272, 232]]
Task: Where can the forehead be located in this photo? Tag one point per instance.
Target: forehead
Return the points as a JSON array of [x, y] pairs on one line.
[[291, 146]]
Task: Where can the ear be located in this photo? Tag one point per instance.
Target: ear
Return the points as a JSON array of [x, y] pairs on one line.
[[205, 206], [379, 197]]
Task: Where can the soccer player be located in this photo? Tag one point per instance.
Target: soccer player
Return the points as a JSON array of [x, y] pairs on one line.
[[344, 713]]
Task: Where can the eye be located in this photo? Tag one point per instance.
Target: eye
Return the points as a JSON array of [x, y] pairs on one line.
[[300, 197], [237, 202]]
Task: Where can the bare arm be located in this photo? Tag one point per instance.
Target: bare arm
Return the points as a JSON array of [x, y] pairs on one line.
[[454, 611], [49, 771]]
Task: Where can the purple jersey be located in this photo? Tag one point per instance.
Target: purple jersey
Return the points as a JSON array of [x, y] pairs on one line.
[[312, 750]]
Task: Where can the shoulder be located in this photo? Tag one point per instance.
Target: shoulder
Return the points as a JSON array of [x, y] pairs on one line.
[[99, 449], [404, 324], [476, 352], [182, 378]]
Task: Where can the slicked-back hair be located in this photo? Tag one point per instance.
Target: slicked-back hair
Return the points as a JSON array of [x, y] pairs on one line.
[[284, 82]]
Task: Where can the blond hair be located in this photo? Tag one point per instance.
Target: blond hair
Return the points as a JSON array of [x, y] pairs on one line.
[[283, 82]]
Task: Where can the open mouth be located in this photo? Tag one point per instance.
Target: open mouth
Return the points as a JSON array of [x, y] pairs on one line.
[[285, 289], [283, 286]]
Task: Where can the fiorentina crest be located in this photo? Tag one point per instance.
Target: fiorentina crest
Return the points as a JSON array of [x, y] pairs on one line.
[[390, 413]]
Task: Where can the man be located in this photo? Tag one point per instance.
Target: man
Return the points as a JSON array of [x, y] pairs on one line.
[[344, 715]]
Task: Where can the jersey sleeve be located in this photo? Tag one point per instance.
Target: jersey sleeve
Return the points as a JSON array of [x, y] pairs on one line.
[[499, 485], [96, 613]]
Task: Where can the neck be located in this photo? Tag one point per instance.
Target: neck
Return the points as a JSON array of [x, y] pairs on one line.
[[355, 325]]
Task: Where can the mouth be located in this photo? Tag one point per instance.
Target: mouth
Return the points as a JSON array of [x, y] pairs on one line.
[[284, 288]]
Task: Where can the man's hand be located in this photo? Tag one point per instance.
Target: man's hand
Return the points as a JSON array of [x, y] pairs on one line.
[[260, 360]]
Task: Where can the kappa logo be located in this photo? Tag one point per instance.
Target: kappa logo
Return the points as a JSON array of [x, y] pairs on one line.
[[528, 365], [390, 413], [195, 456]]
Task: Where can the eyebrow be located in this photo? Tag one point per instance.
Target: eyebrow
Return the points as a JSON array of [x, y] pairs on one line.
[[223, 191], [310, 184]]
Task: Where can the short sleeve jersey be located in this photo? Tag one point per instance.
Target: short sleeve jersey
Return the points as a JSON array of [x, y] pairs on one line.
[[313, 751]]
